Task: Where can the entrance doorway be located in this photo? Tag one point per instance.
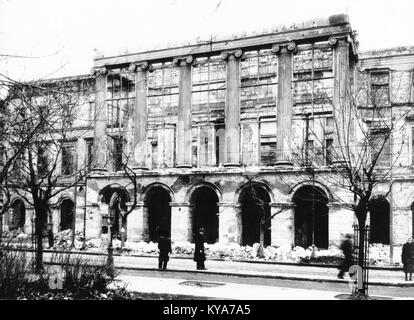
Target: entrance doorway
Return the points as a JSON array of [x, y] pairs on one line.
[[205, 212], [157, 201], [311, 217], [254, 201]]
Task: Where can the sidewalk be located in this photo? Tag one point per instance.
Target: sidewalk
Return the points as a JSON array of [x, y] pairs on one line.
[[378, 277], [220, 290], [232, 291]]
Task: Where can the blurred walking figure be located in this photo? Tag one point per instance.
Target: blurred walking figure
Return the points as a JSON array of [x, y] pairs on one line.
[[164, 246], [346, 247], [199, 255], [407, 258]]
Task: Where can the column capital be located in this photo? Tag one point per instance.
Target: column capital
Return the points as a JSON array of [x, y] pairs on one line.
[[183, 60], [339, 40], [290, 46], [226, 54], [99, 71], [134, 66]]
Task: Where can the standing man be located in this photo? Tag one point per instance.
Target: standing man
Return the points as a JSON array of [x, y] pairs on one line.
[[346, 247], [407, 258], [164, 246], [199, 255]]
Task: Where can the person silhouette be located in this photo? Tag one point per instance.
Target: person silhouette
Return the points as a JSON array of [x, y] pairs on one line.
[[346, 247], [164, 246], [407, 258], [199, 255]]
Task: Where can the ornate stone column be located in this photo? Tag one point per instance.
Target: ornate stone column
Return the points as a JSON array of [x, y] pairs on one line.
[[100, 138], [140, 114], [284, 102], [184, 135], [341, 86], [232, 108]]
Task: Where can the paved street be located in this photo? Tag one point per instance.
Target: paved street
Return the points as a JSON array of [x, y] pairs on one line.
[[243, 280]]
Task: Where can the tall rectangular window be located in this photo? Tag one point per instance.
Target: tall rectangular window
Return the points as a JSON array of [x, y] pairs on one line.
[[162, 95], [380, 147], [120, 97], [118, 154], [42, 159], [268, 143], [68, 159], [328, 151], [89, 152], [313, 77], [259, 77], [208, 89], [380, 94]]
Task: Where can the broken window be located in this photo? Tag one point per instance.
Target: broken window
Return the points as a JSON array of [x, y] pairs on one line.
[[68, 159], [208, 89], [118, 154], [219, 145], [162, 96], [120, 97], [194, 147], [258, 93], [267, 143], [89, 152], [312, 76], [328, 151], [380, 147], [380, 88]]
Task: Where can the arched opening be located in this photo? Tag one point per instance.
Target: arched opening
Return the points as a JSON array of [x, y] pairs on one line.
[[66, 214], [116, 198], [157, 201], [204, 202], [379, 217], [311, 217], [17, 215], [255, 215]]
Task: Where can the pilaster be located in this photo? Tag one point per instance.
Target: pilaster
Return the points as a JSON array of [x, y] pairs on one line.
[[184, 135], [284, 102], [232, 108]]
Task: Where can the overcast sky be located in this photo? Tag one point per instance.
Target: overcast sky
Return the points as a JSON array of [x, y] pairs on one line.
[[58, 37]]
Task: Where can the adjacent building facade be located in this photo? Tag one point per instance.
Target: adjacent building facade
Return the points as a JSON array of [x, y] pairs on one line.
[[212, 133]]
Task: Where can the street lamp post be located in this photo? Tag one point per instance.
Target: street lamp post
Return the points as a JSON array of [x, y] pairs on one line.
[[84, 215]]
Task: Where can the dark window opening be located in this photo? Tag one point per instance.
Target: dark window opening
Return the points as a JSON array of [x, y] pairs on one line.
[[311, 217], [379, 216], [255, 215]]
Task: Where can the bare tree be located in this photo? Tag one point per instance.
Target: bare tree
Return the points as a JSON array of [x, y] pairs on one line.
[[46, 166], [353, 150], [262, 208]]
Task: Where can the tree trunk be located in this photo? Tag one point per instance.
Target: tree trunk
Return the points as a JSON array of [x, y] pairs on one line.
[[39, 243], [361, 213]]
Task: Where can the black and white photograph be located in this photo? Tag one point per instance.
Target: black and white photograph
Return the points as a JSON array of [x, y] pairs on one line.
[[206, 155]]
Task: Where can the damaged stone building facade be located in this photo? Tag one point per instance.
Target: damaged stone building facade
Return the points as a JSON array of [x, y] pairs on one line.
[[205, 126]]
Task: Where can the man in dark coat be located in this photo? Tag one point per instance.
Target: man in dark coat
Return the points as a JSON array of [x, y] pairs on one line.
[[407, 258], [346, 247], [199, 255], [164, 246]]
